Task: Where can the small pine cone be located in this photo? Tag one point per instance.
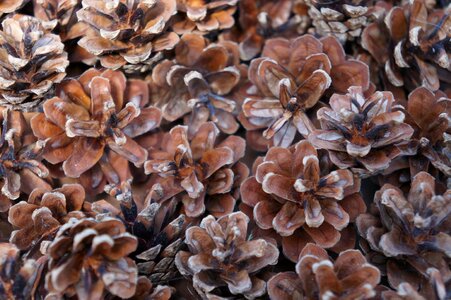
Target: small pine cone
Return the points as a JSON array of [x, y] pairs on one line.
[[204, 16], [318, 277], [88, 257], [63, 14], [290, 195], [360, 132], [20, 166], [91, 125], [290, 79], [258, 21], [202, 173], [32, 61], [343, 19], [221, 254], [413, 233], [128, 34], [45, 211], [412, 46], [198, 84], [429, 115], [159, 229], [19, 278], [9, 6]]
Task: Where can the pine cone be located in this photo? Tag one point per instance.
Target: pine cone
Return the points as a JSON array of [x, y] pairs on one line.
[[349, 277], [20, 166], [361, 132], [343, 19], [88, 257], [222, 255], [45, 211], [204, 16], [429, 114], [159, 229], [412, 46], [260, 20], [413, 233], [129, 34], [197, 86], [91, 126], [290, 195], [32, 61], [10, 6], [201, 173], [63, 14], [290, 78], [19, 278]]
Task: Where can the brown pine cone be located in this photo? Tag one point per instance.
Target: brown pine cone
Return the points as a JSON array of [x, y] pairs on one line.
[[20, 166], [91, 124], [45, 211], [221, 254], [350, 277], [159, 229], [412, 46], [19, 278], [88, 257], [9, 6], [291, 195], [32, 61], [290, 79], [361, 132], [203, 174], [197, 86], [344, 19], [413, 233], [63, 14], [263, 19], [128, 34], [204, 16], [429, 115]]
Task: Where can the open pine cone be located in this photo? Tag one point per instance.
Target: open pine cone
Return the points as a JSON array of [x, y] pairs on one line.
[[260, 20], [221, 254], [350, 277], [290, 79], [128, 34], [429, 115], [361, 132], [32, 60], [203, 174], [91, 124], [413, 233], [412, 46], [45, 211], [291, 195], [93, 253], [21, 169], [197, 85]]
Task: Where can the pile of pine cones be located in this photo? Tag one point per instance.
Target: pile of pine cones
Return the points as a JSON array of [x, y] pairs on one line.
[[225, 149]]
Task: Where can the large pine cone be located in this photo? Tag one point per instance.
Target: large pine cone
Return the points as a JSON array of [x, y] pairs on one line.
[[413, 233], [32, 61], [128, 34], [221, 254]]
